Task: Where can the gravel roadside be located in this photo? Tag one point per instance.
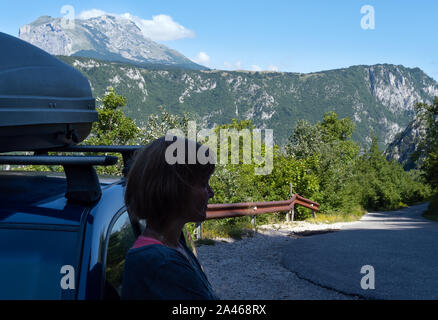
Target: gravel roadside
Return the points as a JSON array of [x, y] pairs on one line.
[[250, 269]]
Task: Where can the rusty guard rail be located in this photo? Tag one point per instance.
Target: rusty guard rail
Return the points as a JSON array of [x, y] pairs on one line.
[[231, 210]]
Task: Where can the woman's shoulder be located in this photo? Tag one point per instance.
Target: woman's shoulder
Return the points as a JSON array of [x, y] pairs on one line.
[[150, 251], [153, 254]]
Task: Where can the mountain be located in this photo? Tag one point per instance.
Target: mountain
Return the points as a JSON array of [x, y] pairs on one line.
[[106, 37], [406, 142], [379, 98]]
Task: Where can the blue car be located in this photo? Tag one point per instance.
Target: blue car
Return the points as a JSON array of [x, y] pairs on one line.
[[59, 237], [62, 235], [42, 236]]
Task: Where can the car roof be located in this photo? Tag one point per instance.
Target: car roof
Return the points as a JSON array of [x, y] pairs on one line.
[[39, 198]]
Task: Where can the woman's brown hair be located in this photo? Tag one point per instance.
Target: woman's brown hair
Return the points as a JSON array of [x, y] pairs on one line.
[[155, 189]]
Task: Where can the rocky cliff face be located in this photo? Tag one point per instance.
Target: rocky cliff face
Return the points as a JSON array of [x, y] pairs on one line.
[[406, 142], [106, 37], [399, 90], [379, 98]]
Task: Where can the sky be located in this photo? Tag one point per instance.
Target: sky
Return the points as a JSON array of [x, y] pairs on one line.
[[281, 35]]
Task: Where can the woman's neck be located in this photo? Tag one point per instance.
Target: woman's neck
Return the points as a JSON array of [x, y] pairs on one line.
[[168, 235]]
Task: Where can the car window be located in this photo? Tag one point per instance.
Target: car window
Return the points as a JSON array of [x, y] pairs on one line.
[[32, 263], [121, 240]]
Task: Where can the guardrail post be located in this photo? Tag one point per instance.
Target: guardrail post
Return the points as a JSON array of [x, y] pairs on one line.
[[253, 220], [290, 214], [198, 231]]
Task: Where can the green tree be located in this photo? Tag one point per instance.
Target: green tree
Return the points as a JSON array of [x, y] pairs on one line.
[[113, 128], [347, 180], [380, 184], [428, 148], [305, 141], [330, 142], [333, 128], [160, 123], [234, 182], [429, 145]]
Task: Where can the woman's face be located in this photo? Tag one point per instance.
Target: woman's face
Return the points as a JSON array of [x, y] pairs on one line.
[[198, 200]]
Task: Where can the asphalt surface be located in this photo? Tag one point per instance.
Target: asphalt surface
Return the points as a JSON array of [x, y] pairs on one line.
[[401, 246]]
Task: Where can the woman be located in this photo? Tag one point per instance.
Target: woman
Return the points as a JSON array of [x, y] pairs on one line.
[[159, 265]]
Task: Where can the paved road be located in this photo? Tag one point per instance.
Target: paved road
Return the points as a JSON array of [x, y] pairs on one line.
[[401, 245]]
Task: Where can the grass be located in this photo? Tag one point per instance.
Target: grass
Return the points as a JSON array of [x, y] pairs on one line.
[[235, 228], [334, 217], [432, 210], [206, 242], [236, 233]]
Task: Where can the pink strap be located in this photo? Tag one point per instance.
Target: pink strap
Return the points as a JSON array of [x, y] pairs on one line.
[[145, 241]]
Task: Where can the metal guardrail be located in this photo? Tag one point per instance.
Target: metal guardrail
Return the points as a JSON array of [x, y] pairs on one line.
[[232, 210]]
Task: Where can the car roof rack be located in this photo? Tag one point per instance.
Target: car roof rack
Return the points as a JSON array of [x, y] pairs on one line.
[[127, 152], [82, 181]]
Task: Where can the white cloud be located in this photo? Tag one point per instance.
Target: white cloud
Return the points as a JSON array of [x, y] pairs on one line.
[[233, 66], [273, 68], [238, 66], [228, 65], [93, 13], [161, 28], [202, 58]]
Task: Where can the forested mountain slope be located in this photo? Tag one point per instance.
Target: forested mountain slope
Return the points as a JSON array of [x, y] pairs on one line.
[[379, 98]]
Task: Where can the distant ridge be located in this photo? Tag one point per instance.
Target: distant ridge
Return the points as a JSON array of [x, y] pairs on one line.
[[105, 37]]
